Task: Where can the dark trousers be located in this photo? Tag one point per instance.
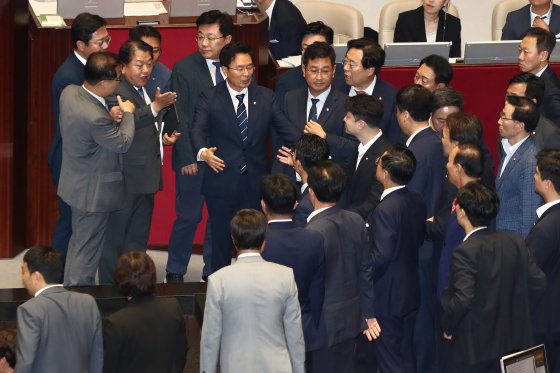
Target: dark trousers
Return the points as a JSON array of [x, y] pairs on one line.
[[128, 230], [551, 343], [365, 360], [424, 330], [220, 212], [189, 203], [394, 348], [63, 226], [335, 359]]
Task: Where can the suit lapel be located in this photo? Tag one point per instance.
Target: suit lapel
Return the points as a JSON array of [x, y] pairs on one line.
[[256, 115], [554, 15], [302, 108], [224, 105], [129, 91], [205, 76], [327, 107], [514, 160]]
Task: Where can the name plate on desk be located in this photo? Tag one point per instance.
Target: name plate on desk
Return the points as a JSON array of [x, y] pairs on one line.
[[104, 8]]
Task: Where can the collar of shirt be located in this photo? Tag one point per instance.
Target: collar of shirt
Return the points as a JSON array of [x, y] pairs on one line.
[[388, 191], [541, 210], [234, 99], [474, 230], [303, 187], [363, 148], [509, 151], [317, 212], [213, 70], [45, 288], [82, 60], [247, 255], [547, 15], [146, 97], [279, 221], [368, 90], [542, 71], [99, 98], [322, 98], [269, 10], [414, 135]]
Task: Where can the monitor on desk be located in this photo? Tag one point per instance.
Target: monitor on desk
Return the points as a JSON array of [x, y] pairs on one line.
[[69, 9], [412, 53], [194, 8], [532, 360], [505, 51]]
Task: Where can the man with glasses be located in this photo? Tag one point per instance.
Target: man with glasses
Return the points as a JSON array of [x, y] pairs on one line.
[[230, 134], [433, 72], [88, 34], [192, 75], [91, 179]]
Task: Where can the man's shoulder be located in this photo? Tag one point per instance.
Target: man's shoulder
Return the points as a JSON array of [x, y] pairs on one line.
[[71, 71], [386, 87], [520, 13]]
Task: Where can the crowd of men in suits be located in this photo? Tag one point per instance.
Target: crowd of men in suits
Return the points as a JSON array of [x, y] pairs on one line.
[[395, 262]]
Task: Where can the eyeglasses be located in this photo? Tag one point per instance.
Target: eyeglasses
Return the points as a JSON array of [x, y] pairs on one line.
[[316, 72], [350, 64], [503, 117], [211, 39], [100, 42], [241, 69]]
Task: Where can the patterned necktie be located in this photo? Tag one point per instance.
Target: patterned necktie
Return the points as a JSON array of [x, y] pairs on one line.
[[242, 118], [219, 77], [313, 111]]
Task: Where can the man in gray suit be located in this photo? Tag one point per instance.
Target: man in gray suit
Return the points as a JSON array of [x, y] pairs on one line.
[[252, 316], [57, 330], [91, 180]]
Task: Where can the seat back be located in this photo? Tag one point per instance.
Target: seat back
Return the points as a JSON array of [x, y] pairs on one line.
[[499, 15]]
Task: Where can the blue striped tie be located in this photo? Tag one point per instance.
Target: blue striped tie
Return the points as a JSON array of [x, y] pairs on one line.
[[218, 76], [313, 110], [242, 120]]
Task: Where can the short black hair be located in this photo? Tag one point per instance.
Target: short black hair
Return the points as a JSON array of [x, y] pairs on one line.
[[84, 26], [311, 149], [526, 111], [400, 164], [548, 162], [129, 47], [45, 260], [373, 54], [318, 28], [144, 31], [417, 100], [440, 66], [231, 50], [546, 41], [365, 107], [447, 96], [8, 345], [210, 17], [480, 203], [469, 156], [248, 229], [101, 66], [135, 273], [534, 86], [327, 179], [279, 193], [319, 49], [464, 128]]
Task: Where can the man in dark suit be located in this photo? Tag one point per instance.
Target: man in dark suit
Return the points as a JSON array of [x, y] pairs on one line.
[[544, 243], [413, 113], [285, 25], [230, 133], [362, 64], [128, 229], [433, 72], [514, 182], [348, 272], [318, 108], [88, 34], [191, 76], [297, 248], [535, 49], [58, 330], [149, 333], [91, 179], [363, 115], [293, 78], [493, 280], [396, 233], [537, 13]]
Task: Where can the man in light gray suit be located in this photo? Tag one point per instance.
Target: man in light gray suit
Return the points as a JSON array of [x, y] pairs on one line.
[[57, 330], [252, 318], [91, 180]]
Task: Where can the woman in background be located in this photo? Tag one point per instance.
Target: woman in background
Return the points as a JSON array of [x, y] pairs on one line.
[[430, 22]]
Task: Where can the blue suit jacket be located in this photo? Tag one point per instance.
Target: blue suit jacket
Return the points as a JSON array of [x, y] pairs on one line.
[[454, 235], [396, 232], [519, 21], [161, 77], [70, 72], [215, 125], [516, 188], [303, 209], [286, 26], [302, 250]]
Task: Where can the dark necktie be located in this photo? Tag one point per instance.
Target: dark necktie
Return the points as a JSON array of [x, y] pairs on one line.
[[141, 93], [219, 77], [242, 121], [313, 111]]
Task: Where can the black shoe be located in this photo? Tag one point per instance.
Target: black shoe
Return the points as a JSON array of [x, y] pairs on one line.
[[174, 277]]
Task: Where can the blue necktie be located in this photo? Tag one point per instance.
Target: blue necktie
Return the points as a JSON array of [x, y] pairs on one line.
[[313, 111], [219, 77], [141, 93], [242, 120]]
